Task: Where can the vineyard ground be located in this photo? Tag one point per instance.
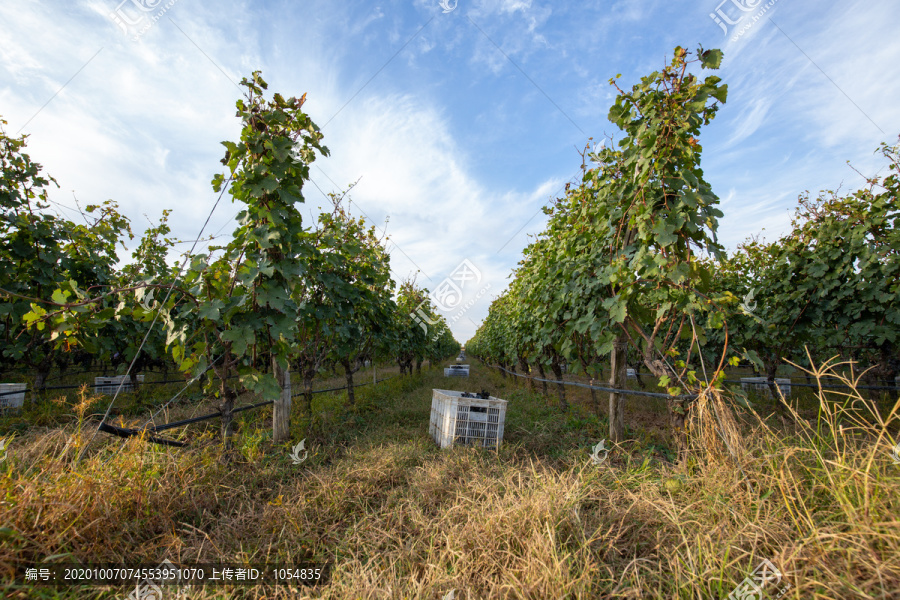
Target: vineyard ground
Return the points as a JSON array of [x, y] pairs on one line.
[[647, 417], [403, 519], [132, 409]]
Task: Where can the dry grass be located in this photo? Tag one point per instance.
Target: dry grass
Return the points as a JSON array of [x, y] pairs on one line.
[[402, 519]]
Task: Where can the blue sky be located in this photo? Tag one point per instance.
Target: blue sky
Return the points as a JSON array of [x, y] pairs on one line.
[[459, 125]]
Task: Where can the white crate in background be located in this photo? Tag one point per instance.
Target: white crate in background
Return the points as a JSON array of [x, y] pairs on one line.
[[630, 374], [109, 385], [760, 384], [12, 400], [456, 371], [466, 421]]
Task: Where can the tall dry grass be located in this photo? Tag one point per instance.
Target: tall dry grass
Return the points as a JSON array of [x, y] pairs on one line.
[[537, 519]]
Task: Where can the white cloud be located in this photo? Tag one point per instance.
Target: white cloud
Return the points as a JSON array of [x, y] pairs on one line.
[[413, 171], [754, 115]]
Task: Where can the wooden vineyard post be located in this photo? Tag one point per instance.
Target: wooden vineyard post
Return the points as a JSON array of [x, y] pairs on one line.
[[617, 381], [281, 415]]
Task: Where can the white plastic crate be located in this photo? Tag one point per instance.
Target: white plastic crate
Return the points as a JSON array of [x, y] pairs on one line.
[[12, 400], [759, 384], [466, 421], [456, 371], [109, 385]]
